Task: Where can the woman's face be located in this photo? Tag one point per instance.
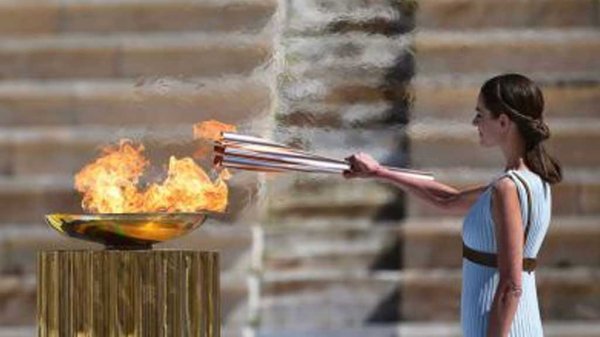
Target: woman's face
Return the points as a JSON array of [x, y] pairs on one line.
[[489, 128]]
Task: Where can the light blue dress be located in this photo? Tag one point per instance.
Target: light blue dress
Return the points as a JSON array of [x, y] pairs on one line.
[[480, 282]]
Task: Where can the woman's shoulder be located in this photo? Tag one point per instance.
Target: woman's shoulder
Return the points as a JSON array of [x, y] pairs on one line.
[[504, 187], [510, 180], [505, 178], [527, 180]]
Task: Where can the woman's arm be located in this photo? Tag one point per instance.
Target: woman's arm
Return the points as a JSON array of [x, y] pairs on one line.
[[506, 213], [430, 191]]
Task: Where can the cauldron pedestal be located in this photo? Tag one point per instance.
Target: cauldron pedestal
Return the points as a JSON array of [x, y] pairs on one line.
[[110, 293]]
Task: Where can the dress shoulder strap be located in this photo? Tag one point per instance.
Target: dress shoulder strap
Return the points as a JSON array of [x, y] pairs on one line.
[[529, 202]]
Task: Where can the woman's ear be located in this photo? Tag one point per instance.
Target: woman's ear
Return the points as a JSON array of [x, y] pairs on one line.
[[504, 121]]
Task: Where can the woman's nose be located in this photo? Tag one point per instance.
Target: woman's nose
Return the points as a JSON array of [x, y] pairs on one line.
[[475, 121]]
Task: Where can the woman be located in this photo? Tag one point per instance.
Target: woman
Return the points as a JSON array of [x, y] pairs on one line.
[[507, 219]]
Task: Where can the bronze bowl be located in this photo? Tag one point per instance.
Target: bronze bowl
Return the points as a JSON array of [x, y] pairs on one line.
[[126, 230]]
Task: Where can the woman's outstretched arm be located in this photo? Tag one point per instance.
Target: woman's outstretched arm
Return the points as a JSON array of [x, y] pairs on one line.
[[433, 192], [506, 213]]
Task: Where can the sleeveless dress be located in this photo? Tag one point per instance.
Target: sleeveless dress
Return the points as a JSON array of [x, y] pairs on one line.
[[480, 282]]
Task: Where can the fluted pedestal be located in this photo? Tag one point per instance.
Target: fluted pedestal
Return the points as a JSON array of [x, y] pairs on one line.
[[128, 293]]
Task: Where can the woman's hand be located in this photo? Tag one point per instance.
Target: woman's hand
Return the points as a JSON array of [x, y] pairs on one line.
[[362, 165]]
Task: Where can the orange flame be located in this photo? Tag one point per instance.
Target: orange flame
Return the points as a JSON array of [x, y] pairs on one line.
[[110, 184], [211, 130], [187, 188]]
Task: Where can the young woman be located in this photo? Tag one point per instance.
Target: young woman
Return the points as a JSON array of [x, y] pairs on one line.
[[506, 220]]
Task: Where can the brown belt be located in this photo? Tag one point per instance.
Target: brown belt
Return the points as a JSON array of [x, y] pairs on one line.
[[491, 260]]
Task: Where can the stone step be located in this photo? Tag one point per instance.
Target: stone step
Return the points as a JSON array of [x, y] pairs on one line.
[[105, 17], [25, 200], [18, 298], [355, 245], [331, 90], [455, 100], [548, 51], [327, 17], [356, 55], [19, 244], [578, 193], [465, 14], [318, 244], [442, 143], [18, 331], [133, 55], [345, 116], [333, 299], [333, 197], [346, 7], [420, 329], [147, 102]]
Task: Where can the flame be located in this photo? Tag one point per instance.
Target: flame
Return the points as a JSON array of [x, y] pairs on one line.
[[187, 188], [111, 184], [212, 129]]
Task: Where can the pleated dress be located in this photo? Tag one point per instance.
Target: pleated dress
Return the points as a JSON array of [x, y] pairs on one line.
[[480, 282]]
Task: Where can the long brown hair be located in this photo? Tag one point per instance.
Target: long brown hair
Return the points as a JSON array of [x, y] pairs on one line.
[[522, 101]]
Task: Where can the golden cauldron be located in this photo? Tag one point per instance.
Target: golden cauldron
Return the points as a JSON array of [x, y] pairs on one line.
[[126, 231]]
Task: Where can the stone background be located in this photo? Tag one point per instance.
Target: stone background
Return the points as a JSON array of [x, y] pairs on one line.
[[304, 255]]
